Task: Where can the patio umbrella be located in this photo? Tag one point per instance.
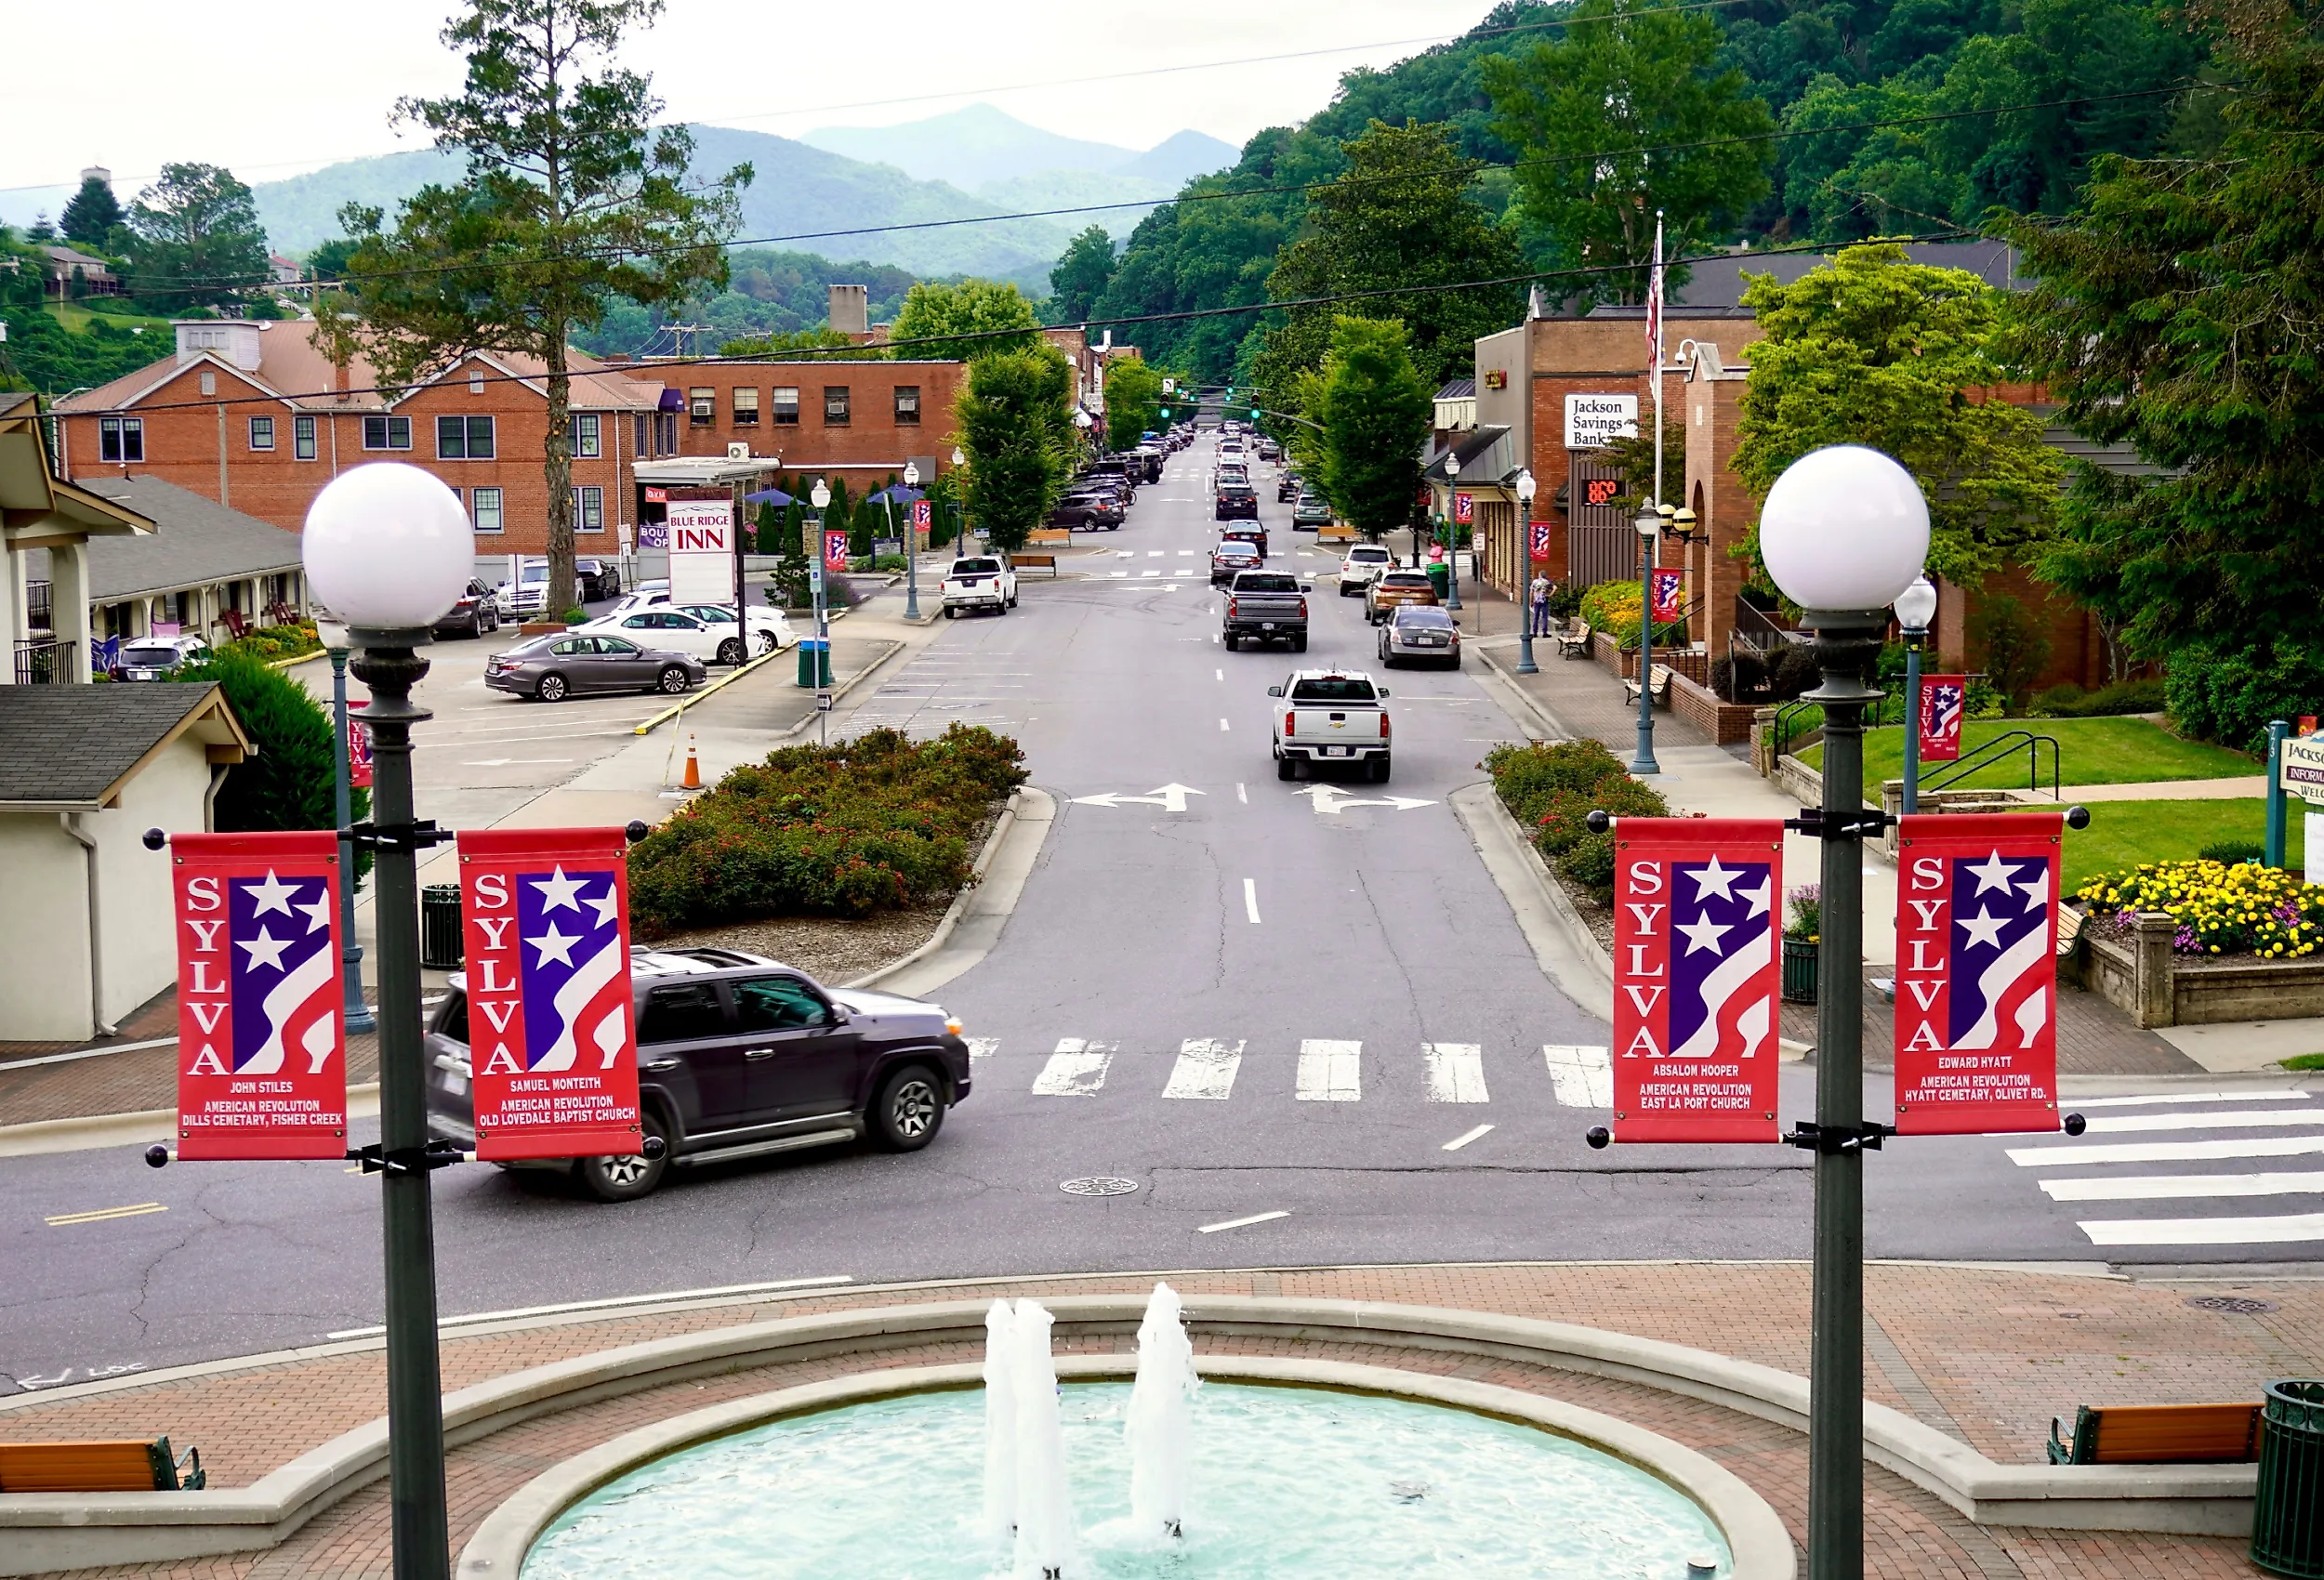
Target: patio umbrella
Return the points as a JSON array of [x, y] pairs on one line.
[[774, 496]]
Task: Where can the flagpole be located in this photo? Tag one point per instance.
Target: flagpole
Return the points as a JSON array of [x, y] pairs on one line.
[[1655, 331], [1649, 524]]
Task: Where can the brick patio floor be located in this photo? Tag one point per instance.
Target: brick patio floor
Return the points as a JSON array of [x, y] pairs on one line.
[[1986, 1354]]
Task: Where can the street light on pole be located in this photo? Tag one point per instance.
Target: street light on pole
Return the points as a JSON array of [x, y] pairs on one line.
[[1649, 523], [389, 549], [1526, 488], [1844, 534], [911, 549], [1452, 555], [332, 632], [821, 498], [959, 507], [1915, 608]]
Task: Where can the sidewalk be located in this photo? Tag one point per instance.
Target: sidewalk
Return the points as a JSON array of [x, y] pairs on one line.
[[1982, 1354]]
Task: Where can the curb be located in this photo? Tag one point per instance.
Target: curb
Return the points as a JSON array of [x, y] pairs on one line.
[[1552, 727], [92, 1132], [840, 691], [297, 659], [718, 685], [984, 907], [1562, 944]]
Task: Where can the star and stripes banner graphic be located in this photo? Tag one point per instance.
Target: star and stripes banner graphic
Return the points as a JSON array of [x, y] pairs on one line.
[[1667, 605], [1464, 509], [552, 1050], [1541, 540], [358, 747], [261, 1050], [1944, 701], [1977, 973], [1696, 975]]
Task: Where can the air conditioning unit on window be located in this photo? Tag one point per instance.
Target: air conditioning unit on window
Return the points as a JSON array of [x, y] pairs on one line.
[[738, 451]]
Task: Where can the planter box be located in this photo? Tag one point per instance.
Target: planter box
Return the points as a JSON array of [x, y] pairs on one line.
[[1623, 662], [2139, 974], [541, 629], [1725, 723], [1800, 957]]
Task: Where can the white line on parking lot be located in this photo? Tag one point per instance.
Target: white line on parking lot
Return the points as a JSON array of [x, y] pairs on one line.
[[1241, 1222], [1250, 900], [1465, 1138]]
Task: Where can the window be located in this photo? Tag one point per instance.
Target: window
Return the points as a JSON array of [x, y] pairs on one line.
[[261, 433], [587, 444], [640, 445], [463, 439], [778, 1004], [834, 405], [745, 408], [488, 502], [701, 407], [387, 433], [589, 509], [666, 434], [210, 382], [786, 406], [681, 1014], [303, 438], [907, 405], [121, 439], [476, 381]]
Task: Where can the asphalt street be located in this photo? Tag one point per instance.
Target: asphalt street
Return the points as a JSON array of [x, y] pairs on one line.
[[1290, 1024]]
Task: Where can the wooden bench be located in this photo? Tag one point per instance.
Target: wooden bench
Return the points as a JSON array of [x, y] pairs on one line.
[[1026, 561], [133, 1466], [2069, 930], [2159, 1434], [1050, 534], [1573, 643], [1660, 680], [1335, 531]]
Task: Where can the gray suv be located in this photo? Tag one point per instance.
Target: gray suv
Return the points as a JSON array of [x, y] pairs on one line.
[[739, 1056]]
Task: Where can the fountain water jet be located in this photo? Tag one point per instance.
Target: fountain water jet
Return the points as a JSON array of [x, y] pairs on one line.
[[1000, 1423], [1161, 1424], [1045, 1515]]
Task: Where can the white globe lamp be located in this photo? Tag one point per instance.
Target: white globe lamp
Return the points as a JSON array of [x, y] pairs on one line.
[[1845, 528], [388, 549], [1916, 606]]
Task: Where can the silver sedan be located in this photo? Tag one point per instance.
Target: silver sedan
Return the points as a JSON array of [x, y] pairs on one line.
[[1420, 632]]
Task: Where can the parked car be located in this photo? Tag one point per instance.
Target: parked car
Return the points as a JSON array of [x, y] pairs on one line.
[[1310, 513], [978, 581], [1331, 716], [1231, 559], [1363, 564], [1391, 590], [737, 1056], [156, 658], [596, 580], [475, 613], [1266, 606], [770, 631], [1254, 535], [1233, 500], [527, 594], [1087, 512], [713, 641], [1419, 631], [565, 664]]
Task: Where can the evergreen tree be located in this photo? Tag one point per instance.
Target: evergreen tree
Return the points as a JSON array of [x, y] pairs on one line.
[[90, 217]]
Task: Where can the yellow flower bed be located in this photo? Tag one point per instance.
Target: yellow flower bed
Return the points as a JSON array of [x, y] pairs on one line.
[[2244, 909]]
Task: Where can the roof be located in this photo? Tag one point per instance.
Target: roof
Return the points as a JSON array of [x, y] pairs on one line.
[[77, 745], [196, 541], [1485, 458], [73, 257], [36, 504], [1458, 389]]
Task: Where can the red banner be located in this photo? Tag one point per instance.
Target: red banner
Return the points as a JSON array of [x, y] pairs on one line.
[[1696, 974], [1977, 973], [1464, 509], [261, 1050], [1668, 606], [835, 551], [1943, 703], [553, 1047], [923, 512], [1541, 540], [358, 749]]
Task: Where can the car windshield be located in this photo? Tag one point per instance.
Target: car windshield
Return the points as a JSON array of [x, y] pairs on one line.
[[975, 566], [149, 657], [1262, 581], [534, 574], [1332, 688], [1422, 618]]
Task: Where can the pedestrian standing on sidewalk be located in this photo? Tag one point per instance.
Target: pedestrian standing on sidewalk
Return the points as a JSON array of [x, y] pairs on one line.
[[1540, 604]]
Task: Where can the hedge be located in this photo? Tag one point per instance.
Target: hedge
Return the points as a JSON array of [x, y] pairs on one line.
[[1613, 608], [1551, 789]]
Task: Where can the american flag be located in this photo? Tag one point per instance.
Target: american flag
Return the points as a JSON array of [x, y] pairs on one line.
[[1723, 937], [576, 993], [1653, 302], [283, 974]]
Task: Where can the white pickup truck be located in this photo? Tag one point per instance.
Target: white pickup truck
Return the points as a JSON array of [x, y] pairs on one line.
[[978, 581], [1330, 715]]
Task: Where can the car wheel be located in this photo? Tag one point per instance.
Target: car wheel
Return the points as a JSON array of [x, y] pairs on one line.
[[672, 681], [731, 651], [767, 642], [1284, 769], [909, 1110], [625, 1178], [951, 613], [552, 689], [1013, 601], [1377, 770]]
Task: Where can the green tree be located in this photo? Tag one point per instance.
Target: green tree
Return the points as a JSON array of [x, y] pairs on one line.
[[2173, 311], [827, 345], [195, 241], [288, 782], [2006, 643], [1082, 273], [572, 196], [1584, 110], [979, 311], [92, 215], [1872, 349], [1014, 425], [1133, 393], [329, 260], [1374, 410]]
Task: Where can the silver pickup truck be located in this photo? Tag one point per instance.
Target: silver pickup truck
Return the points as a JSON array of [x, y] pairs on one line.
[[1267, 606]]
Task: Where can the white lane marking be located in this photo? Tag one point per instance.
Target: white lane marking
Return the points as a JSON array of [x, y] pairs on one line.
[[1242, 794], [1579, 1076], [1465, 1138], [1154, 554], [2166, 1152], [1219, 674], [980, 1049], [1205, 1069], [1250, 900], [1222, 724], [1214, 635], [1075, 1070], [1185, 554], [2205, 1230], [612, 1300], [1330, 1071], [1456, 1072], [2247, 1121], [1149, 572], [2172, 1187], [2271, 1094], [1241, 1222], [1115, 575]]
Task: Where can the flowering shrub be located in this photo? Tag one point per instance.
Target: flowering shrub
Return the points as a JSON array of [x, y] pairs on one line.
[[2243, 909], [857, 827], [1552, 790], [1613, 607], [1807, 912]]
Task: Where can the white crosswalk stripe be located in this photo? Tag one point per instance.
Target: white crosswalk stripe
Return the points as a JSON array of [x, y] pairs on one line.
[[2264, 1119], [981, 1049], [1330, 1071], [1456, 1072], [1076, 1070], [1580, 1077], [2166, 1152], [2144, 1114], [2205, 1230], [1205, 1070], [2174, 1187]]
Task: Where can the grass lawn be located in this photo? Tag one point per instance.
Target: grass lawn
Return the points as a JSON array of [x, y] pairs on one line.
[[2091, 751], [2122, 833], [78, 318]]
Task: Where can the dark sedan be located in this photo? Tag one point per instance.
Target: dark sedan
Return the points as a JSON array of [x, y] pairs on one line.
[[740, 1056], [563, 664], [475, 613]]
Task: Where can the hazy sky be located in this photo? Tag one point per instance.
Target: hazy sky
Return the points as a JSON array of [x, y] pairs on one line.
[[270, 92]]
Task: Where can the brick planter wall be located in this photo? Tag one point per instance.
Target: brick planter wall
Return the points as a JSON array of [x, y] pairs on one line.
[[1695, 666], [1725, 723], [2139, 975]]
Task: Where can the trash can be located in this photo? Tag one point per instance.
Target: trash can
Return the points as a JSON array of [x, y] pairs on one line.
[[1440, 578], [440, 926], [2288, 1510], [814, 661]]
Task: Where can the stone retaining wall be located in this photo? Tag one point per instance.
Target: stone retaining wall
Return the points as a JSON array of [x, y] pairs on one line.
[[2138, 974]]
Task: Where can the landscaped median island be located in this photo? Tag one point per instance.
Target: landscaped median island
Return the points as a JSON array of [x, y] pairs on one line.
[[834, 859], [1551, 789]]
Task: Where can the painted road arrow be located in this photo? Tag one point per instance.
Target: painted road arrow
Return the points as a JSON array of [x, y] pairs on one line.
[[1330, 798], [1169, 798]]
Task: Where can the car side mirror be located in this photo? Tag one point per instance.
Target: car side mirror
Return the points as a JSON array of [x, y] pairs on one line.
[[1307, 586], [1383, 691], [1274, 690]]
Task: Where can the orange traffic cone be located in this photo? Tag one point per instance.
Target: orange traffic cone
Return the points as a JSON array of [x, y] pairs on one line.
[[693, 767]]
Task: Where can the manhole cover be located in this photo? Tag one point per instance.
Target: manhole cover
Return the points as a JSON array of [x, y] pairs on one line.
[[1099, 1185], [2240, 1305]]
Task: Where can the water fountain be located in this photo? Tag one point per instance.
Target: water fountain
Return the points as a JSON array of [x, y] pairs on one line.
[[1161, 1418]]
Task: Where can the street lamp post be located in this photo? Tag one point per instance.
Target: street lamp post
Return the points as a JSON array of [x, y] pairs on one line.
[[1916, 606], [959, 506], [388, 549], [357, 1013], [1842, 533], [1649, 523], [1452, 555], [911, 548], [1527, 487], [821, 498]]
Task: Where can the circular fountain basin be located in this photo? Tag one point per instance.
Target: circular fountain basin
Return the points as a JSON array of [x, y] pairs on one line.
[[1287, 1482]]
